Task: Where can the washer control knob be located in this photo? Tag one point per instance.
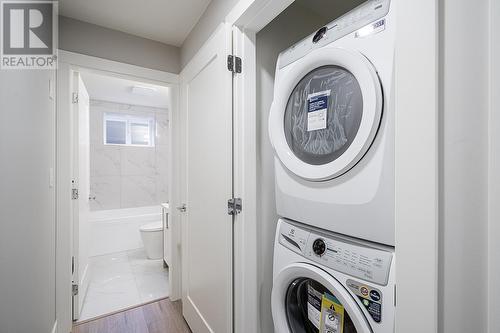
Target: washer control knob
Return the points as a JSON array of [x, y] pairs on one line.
[[319, 247]]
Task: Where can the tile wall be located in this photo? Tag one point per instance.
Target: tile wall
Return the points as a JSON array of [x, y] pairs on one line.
[[126, 177]]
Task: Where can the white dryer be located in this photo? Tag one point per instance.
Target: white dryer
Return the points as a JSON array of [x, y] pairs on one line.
[[331, 125], [326, 282]]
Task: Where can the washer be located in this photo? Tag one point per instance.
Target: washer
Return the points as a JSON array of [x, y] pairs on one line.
[[313, 267], [331, 125]]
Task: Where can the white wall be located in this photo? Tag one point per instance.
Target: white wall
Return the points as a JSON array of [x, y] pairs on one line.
[[295, 23], [27, 203], [209, 21], [126, 177], [89, 39], [464, 166], [494, 171]]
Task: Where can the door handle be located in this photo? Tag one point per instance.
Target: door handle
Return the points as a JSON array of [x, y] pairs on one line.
[[182, 208]]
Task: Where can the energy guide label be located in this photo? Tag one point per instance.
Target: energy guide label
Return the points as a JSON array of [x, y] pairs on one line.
[[317, 110]]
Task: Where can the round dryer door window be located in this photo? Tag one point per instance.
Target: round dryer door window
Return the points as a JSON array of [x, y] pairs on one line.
[[323, 115], [326, 112], [306, 299]]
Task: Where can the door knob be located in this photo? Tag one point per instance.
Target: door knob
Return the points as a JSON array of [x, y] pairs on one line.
[[182, 208]]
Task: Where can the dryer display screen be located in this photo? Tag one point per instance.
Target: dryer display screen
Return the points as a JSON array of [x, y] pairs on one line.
[[323, 114]]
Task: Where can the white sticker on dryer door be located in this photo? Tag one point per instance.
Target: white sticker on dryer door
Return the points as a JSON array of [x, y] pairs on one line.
[[317, 110]]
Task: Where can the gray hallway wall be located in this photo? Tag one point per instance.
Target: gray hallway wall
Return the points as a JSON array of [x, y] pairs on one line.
[[463, 233], [214, 14], [27, 202], [93, 40]]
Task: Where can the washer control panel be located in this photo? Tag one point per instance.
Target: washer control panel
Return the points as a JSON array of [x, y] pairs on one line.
[[341, 253], [293, 237], [319, 247]]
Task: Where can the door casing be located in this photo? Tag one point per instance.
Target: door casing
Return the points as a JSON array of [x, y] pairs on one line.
[[81, 183], [69, 63]]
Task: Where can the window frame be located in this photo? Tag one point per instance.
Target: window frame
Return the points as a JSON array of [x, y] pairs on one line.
[[129, 119]]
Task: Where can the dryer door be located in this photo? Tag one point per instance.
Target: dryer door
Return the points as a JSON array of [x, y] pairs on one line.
[[326, 112], [301, 297]]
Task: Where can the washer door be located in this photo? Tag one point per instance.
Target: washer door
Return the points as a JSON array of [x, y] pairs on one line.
[[296, 292], [325, 113]]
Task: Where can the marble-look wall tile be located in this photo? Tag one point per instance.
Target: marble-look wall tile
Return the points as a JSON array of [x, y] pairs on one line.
[[138, 161], [105, 160], [162, 188], [96, 125], [107, 193], [162, 172], [139, 191], [121, 176], [162, 161], [162, 129]]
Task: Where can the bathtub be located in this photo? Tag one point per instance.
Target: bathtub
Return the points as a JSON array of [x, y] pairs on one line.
[[117, 230]]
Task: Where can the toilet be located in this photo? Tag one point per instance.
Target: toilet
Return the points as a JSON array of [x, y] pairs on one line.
[[152, 237]]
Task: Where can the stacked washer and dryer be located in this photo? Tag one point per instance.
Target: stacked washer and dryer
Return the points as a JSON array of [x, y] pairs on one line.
[[332, 129]]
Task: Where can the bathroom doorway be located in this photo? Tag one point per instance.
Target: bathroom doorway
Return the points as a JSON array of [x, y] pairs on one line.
[[121, 156]]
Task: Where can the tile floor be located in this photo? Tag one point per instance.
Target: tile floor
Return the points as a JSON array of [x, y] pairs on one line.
[[121, 280]]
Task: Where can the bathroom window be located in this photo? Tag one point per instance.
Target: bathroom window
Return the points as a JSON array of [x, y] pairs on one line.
[[130, 130]]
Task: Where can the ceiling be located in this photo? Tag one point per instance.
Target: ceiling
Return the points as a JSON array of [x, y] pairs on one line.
[[166, 21], [112, 89]]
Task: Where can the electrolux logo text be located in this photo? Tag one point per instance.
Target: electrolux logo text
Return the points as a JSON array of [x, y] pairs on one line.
[[28, 35]]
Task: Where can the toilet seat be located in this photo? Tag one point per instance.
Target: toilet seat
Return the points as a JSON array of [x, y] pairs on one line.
[[153, 226]]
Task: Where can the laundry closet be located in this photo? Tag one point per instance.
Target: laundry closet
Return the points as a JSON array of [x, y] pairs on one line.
[[301, 19]]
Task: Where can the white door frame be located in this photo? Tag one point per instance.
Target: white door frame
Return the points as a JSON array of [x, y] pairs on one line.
[[70, 62], [82, 273], [416, 200], [247, 18]]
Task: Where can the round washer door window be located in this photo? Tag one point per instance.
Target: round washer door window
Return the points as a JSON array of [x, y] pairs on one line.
[[323, 115], [326, 112], [306, 299], [304, 302]]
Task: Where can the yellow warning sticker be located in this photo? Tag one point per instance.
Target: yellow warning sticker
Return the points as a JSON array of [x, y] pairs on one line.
[[332, 315]]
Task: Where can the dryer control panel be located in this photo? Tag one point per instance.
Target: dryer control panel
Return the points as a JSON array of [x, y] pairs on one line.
[[361, 17], [344, 254]]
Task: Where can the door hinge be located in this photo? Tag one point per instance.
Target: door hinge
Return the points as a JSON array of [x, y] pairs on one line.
[[234, 64], [182, 208], [74, 289], [72, 265], [74, 194], [234, 206], [74, 98]]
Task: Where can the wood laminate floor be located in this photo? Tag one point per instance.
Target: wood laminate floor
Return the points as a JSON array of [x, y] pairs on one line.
[[162, 316]]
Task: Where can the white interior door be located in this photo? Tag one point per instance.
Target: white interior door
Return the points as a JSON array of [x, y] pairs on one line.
[[207, 230], [81, 183]]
